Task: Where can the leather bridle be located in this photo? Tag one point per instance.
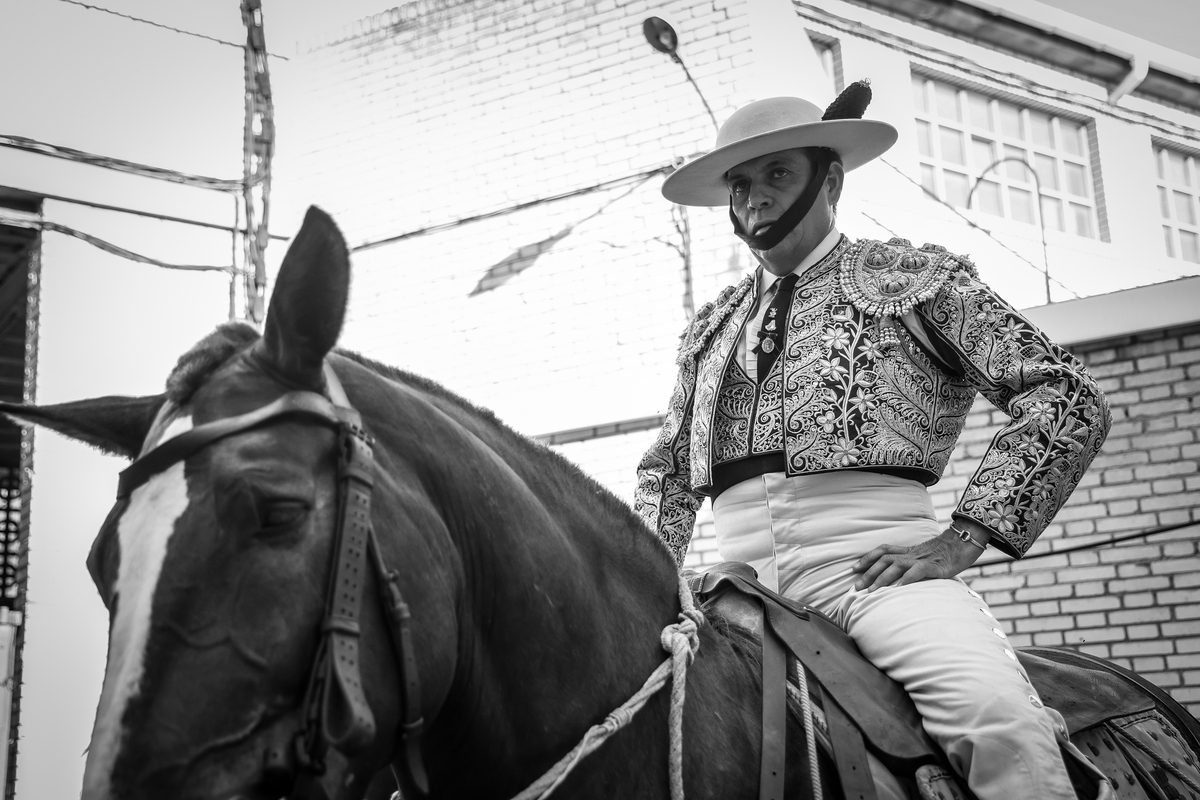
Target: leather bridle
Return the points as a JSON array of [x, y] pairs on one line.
[[336, 713]]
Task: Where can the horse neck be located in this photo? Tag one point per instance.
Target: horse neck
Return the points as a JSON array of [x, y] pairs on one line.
[[561, 595]]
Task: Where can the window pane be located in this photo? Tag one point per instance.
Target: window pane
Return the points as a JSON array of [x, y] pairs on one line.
[[1169, 241], [1081, 216], [1052, 216], [1185, 211], [1159, 156], [918, 88], [924, 143], [928, 179], [1076, 179], [1046, 171], [1043, 133], [1189, 246], [1178, 169], [947, 102], [1072, 137], [1012, 169], [952, 146], [984, 153], [1021, 203], [1010, 121], [981, 111], [956, 189], [988, 198], [1164, 203]]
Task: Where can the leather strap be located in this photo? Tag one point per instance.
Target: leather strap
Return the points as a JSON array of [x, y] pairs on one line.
[[413, 727], [849, 753], [189, 442], [346, 719], [774, 717]]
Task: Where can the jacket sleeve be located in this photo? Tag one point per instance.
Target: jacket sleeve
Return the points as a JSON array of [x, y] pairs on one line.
[[664, 497], [1058, 416]]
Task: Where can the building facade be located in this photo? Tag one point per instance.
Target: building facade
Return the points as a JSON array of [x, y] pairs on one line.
[[496, 167]]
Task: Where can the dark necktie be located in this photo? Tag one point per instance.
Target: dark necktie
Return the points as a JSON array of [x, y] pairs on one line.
[[770, 335]]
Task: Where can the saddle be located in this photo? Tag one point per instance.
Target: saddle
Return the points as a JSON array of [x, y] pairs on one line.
[[1101, 704]]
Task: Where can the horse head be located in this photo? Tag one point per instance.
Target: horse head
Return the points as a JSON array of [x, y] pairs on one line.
[[214, 567]]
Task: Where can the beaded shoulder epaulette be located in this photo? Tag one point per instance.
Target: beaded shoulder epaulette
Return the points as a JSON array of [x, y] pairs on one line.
[[886, 279], [709, 317]]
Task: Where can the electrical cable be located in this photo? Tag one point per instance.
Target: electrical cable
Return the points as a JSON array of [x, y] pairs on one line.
[[1090, 545], [120, 165], [149, 214], [959, 63], [978, 227], [109, 247], [639, 177], [164, 27]]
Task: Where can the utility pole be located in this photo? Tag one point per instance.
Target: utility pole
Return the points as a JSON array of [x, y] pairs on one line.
[[258, 148]]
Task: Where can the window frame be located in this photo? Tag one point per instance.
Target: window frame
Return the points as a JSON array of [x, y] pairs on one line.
[[1177, 231], [998, 191]]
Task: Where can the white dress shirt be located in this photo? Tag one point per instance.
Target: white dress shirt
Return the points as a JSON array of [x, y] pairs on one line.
[[766, 292]]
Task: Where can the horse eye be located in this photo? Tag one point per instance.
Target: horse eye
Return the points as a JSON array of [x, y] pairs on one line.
[[283, 513]]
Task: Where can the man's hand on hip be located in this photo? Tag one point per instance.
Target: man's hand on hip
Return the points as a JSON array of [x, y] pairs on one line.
[[943, 556]]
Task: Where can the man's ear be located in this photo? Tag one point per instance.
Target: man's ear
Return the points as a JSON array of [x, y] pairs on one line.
[[834, 181]]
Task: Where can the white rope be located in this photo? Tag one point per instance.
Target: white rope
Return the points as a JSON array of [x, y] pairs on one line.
[[681, 640], [810, 738]]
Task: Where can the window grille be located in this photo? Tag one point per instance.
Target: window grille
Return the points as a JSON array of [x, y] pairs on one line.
[[1179, 202], [960, 133]]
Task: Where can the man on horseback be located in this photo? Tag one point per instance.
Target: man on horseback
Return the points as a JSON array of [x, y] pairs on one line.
[[820, 396]]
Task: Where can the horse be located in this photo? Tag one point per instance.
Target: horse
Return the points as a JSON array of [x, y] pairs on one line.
[[321, 568]]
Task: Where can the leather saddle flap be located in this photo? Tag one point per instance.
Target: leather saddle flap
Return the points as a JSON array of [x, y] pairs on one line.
[[878, 705], [1080, 689]]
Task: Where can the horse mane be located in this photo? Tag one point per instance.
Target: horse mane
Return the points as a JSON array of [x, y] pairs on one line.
[[193, 367], [612, 506], [232, 338]]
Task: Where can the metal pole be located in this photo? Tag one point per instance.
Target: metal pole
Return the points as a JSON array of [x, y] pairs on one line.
[[1037, 186]]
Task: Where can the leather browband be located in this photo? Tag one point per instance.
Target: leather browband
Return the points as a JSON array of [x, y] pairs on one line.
[[190, 442]]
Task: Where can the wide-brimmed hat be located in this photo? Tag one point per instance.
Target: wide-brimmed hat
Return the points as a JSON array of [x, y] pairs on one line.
[[780, 123]]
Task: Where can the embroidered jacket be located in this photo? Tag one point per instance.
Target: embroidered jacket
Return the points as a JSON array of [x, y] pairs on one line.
[[885, 347]]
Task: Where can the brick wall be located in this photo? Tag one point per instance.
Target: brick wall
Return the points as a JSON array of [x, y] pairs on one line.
[[1136, 602]]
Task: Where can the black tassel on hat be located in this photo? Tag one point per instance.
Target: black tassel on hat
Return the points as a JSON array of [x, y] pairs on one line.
[[851, 103]]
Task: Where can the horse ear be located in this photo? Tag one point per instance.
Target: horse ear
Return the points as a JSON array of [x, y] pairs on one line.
[[116, 425], [308, 305]]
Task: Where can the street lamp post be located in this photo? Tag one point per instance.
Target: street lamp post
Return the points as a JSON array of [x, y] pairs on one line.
[[662, 37], [1037, 186]]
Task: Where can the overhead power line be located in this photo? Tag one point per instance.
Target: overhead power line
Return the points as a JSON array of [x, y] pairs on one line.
[[975, 225], [108, 247], [119, 164], [151, 22], [445, 226], [150, 214]]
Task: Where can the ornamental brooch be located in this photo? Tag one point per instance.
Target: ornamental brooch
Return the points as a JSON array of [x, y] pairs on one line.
[[888, 279]]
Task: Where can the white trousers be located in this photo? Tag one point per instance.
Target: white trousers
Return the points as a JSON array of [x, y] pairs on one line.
[[936, 638]]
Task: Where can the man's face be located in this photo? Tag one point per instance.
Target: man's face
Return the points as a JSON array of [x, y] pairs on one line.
[[762, 188]]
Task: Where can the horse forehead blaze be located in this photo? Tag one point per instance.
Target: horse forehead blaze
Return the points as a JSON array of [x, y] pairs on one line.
[[141, 534]]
